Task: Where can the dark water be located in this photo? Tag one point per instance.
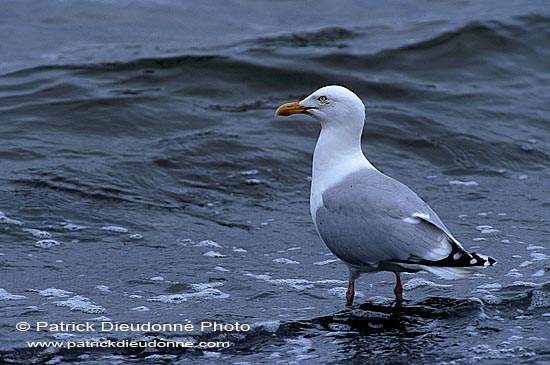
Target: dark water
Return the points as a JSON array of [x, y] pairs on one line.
[[140, 138]]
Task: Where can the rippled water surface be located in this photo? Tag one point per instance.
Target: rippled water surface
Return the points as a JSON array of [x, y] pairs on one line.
[[144, 177]]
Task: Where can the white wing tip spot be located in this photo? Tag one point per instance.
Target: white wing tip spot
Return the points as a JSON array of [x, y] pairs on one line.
[[413, 219], [421, 215]]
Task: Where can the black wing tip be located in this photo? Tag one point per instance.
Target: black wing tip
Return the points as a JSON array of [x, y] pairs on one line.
[[481, 260], [459, 258]]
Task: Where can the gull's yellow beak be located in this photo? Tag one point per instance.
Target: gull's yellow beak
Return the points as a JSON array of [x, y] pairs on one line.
[[289, 109]]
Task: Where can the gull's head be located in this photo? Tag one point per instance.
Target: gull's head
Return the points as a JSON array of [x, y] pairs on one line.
[[330, 105]]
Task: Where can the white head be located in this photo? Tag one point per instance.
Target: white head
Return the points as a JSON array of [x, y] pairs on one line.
[[333, 106]]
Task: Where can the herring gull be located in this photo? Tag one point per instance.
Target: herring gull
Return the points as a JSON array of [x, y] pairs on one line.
[[371, 221]]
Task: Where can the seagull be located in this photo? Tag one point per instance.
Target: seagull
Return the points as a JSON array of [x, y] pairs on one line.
[[369, 220]]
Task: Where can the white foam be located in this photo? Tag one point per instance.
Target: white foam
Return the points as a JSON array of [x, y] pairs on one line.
[[215, 254], [5, 295], [211, 354], [537, 256], [259, 276], [100, 319], [533, 247], [535, 338], [46, 243], [525, 283], [515, 338], [6, 220], [249, 172], [482, 354], [184, 241], [136, 236], [157, 278], [253, 181], [156, 358], [298, 284], [140, 309], [485, 229], [340, 292], [208, 243], [103, 288], [82, 304], [37, 233], [239, 249], [209, 293], [72, 227], [116, 229], [420, 282], [539, 273], [514, 273], [525, 263], [330, 281], [490, 286], [220, 268], [302, 348], [269, 326], [464, 183], [283, 260], [203, 286], [53, 293], [326, 262], [491, 299]]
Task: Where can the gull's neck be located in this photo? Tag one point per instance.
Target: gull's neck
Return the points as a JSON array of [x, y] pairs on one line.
[[337, 154]]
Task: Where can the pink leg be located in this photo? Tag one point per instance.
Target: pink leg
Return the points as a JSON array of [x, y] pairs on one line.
[[351, 292], [398, 290]]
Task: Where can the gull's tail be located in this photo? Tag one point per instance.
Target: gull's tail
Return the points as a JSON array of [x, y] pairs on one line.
[[456, 265], [464, 266]]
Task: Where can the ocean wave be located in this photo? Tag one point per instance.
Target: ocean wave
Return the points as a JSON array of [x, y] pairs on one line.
[[475, 42], [323, 37]]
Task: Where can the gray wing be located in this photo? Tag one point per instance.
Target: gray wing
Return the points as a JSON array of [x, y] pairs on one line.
[[369, 219]]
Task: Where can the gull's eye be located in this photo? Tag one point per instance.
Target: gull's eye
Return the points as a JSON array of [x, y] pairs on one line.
[[322, 99]]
